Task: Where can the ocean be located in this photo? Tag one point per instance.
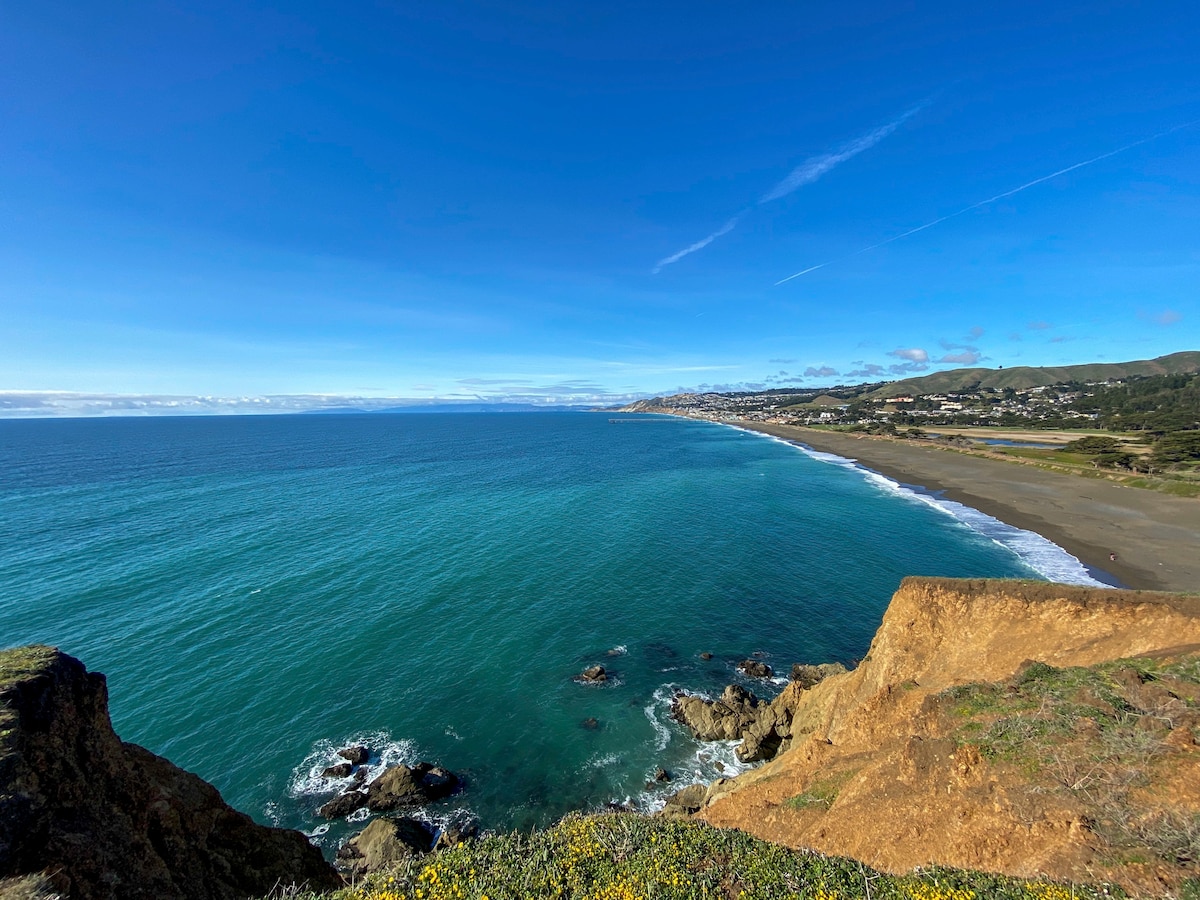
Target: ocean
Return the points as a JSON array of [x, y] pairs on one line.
[[263, 590]]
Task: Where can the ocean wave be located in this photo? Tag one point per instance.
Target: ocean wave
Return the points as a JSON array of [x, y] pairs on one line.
[[658, 712], [1041, 554]]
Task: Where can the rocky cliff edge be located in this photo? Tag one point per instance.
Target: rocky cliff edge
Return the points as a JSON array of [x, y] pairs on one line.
[[1017, 727], [88, 816]]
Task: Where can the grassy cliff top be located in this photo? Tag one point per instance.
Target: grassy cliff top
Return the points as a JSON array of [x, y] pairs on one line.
[[622, 856], [21, 662]]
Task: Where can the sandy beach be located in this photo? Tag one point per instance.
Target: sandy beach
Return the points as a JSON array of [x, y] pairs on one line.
[[1156, 537]]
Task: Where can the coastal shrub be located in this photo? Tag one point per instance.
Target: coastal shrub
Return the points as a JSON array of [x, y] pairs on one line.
[[624, 856]]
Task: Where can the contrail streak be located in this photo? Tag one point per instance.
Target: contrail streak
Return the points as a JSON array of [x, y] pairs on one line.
[[813, 168], [967, 209], [805, 173], [699, 245]]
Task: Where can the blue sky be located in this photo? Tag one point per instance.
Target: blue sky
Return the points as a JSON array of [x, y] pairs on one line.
[[461, 200]]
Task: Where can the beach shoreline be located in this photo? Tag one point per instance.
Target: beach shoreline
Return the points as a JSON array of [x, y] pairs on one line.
[[1156, 537]]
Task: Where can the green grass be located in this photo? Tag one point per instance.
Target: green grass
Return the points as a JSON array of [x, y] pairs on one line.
[[821, 793], [631, 857], [22, 661], [1093, 734]]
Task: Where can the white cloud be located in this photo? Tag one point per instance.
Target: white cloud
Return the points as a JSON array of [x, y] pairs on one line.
[[912, 354], [966, 358]]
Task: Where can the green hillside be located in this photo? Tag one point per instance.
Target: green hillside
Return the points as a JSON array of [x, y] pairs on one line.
[[1024, 377]]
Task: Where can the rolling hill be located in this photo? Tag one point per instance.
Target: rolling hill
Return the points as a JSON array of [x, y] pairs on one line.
[[1024, 377]]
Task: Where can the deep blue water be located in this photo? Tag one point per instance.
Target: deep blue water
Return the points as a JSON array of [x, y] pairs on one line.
[[263, 590]]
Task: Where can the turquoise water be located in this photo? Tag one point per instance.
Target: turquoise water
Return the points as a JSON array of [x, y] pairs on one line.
[[263, 590]]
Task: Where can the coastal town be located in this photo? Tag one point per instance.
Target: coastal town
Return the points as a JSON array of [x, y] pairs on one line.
[[857, 405]]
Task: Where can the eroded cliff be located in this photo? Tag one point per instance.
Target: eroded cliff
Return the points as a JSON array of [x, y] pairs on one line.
[[1016, 727], [107, 819]]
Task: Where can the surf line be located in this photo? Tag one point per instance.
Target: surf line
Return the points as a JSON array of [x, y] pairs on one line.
[[1036, 551]]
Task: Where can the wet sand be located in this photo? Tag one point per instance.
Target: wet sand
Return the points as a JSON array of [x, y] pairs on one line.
[[1156, 536]]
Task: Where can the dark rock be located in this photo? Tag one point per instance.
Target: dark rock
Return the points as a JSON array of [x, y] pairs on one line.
[[590, 723], [592, 675], [341, 770], [360, 775], [755, 669], [356, 755], [661, 774], [383, 843], [688, 800], [402, 786], [719, 766], [104, 819], [755, 747], [809, 676], [453, 835], [706, 655], [343, 804]]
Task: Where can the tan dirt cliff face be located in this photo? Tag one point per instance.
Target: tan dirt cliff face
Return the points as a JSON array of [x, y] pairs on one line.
[[878, 768]]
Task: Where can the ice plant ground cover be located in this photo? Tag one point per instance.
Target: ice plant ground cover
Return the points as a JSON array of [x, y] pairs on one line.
[[620, 856]]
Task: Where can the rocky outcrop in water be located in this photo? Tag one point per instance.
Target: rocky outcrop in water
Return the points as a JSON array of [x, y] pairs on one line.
[[416, 785], [755, 668], [107, 819], [592, 675]]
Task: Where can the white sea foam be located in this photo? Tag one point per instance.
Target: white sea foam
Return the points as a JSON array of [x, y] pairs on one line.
[[657, 712], [1043, 556], [307, 779], [619, 650], [601, 761]]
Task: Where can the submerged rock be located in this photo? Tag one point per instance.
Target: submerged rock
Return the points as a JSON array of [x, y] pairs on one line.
[[706, 656], [341, 770], [591, 723]]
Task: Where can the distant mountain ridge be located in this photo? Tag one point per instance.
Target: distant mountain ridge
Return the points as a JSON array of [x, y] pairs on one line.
[[1025, 377]]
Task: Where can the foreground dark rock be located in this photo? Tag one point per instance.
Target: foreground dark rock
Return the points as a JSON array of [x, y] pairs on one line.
[[106, 819], [384, 842]]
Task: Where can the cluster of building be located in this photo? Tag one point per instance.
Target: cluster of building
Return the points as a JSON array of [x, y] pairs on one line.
[[859, 406]]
